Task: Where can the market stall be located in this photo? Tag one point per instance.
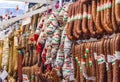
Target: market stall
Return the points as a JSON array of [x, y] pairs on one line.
[[68, 41]]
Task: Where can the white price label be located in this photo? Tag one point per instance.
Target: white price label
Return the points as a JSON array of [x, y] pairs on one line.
[[25, 78], [72, 78], [117, 55], [4, 74], [109, 58], [101, 59], [113, 60], [95, 56], [117, 1], [107, 66]]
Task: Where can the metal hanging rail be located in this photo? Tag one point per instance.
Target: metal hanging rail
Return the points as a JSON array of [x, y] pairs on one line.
[[32, 11], [30, 1], [4, 24], [34, 1]]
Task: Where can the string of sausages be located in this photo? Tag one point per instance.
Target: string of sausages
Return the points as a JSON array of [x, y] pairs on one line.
[[93, 18], [97, 61]]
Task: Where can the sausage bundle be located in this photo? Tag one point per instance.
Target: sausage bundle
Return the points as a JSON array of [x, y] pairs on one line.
[[93, 18], [98, 61]]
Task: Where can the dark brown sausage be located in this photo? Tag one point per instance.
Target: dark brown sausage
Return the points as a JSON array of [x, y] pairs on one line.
[[114, 22], [117, 11]]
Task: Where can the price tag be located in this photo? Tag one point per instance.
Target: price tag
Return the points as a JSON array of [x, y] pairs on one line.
[[117, 1], [4, 74], [72, 78], [101, 59], [117, 55], [95, 56], [109, 58], [113, 60], [25, 78]]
